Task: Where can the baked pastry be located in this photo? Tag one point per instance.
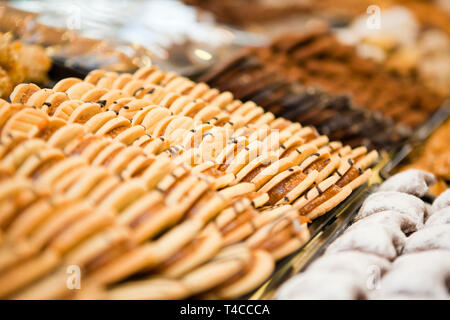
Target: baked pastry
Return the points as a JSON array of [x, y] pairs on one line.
[[20, 62], [427, 278], [322, 286], [341, 275], [332, 115], [441, 202], [403, 203], [389, 227], [381, 240], [439, 217], [352, 262], [167, 182], [283, 77], [431, 237], [389, 218], [415, 182], [98, 77], [433, 157]]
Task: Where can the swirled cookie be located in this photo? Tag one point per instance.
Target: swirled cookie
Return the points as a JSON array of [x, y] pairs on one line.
[[415, 182]]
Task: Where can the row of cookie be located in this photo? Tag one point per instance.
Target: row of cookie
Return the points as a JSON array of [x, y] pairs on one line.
[[50, 227], [393, 224], [246, 168]]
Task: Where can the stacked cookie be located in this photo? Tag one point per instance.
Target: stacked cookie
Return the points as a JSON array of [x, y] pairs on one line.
[[156, 187], [398, 248]]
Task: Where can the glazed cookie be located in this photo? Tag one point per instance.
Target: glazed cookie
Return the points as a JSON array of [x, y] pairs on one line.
[[440, 217], [423, 274], [389, 218], [320, 286], [415, 182], [403, 203], [432, 237], [378, 239], [441, 202]]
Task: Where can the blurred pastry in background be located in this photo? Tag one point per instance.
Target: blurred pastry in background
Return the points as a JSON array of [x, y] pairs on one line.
[[435, 157]]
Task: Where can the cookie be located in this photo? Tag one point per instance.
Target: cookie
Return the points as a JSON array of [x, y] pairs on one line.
[[27, 122], [282, 236], [148, 255], [356, 263]]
